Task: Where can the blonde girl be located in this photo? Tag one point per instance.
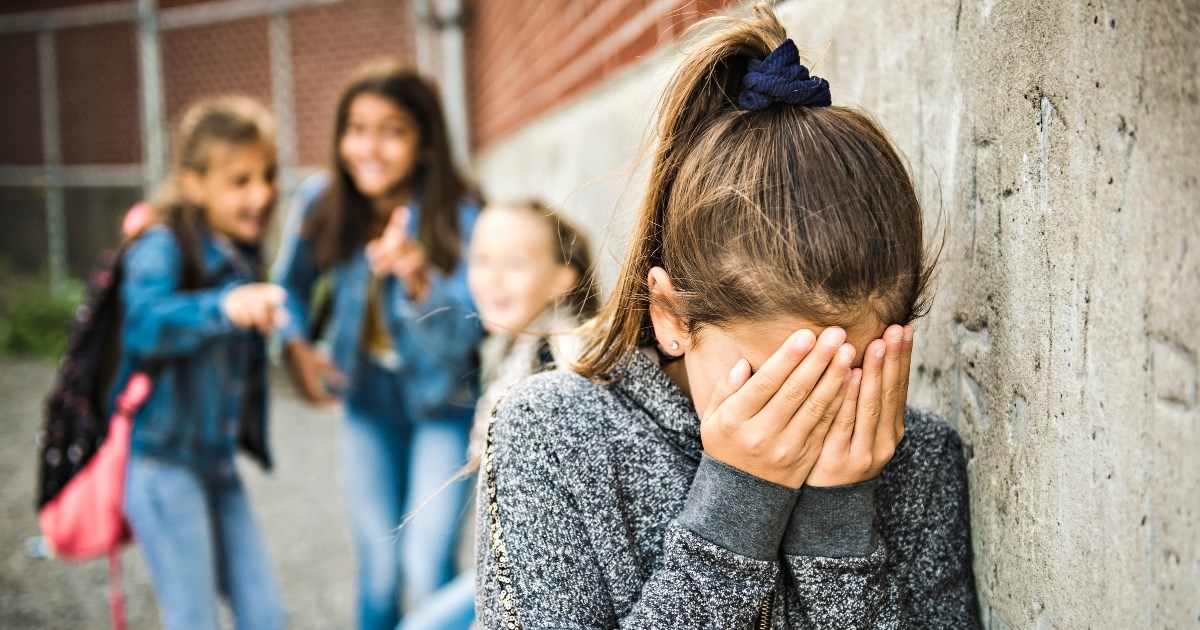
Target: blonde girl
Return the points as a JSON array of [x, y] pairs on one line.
[[532, 280], [195, 317]]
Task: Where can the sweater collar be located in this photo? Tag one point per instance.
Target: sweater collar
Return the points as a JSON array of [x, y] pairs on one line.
[[647, 386]]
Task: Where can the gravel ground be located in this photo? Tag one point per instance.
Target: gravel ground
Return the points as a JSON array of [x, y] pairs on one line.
[[299, 508]]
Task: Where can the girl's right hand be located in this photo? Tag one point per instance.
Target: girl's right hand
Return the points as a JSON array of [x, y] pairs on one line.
[[312, 372], [256, 305], [772, 424]]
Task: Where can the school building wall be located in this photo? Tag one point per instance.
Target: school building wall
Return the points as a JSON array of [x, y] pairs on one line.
[[78, 79], [1056, 147]]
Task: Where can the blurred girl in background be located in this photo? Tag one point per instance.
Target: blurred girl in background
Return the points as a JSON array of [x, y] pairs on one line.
[[389, 225], [532, 279], [196, 314]]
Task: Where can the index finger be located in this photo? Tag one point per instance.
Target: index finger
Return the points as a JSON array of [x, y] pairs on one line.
[[763, 384], [399, 219], [905, 366], [895, 383]]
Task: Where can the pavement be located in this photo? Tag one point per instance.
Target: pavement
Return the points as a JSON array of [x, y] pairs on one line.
[[299, 509]]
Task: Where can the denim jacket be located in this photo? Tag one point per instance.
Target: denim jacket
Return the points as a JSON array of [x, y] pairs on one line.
[[435, 339], [209, 377]]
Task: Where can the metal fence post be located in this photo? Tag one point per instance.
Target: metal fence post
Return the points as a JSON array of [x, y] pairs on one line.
[[56, 232], [282, 99], [150, 73]]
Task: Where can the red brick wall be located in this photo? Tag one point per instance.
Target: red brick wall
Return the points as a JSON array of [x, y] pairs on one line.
[[20, 107], [215, 59], [99, 94], [168, 4], [22, 6], [526, 56], [327, 44]]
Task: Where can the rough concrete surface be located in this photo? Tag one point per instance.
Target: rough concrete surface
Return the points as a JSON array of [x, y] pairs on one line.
[[299, 510], [1056, 145]]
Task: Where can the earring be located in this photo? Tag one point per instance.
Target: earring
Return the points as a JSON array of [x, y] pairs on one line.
[[667, 357]]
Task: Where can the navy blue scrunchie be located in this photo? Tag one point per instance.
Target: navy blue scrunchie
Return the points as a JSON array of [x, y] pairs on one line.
[[781, 77]]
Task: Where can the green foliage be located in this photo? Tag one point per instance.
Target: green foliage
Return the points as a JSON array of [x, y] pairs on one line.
[[34, 319]]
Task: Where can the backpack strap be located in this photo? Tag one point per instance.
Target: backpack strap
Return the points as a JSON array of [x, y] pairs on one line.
[[116, 595], [508, 612]]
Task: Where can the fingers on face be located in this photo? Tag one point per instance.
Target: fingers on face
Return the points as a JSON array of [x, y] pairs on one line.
[[791, 389], [905, 368], [727, 386], [870, 397], [812, 419], [892, 372], [841, 429], [766, 382]]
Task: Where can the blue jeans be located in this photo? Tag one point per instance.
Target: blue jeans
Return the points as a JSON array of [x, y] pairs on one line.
[[199, 539], [451, 608], [396, 469]]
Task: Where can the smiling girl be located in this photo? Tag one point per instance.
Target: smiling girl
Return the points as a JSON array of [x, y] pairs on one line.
[[532, 279], [389, 225], [195, 318]]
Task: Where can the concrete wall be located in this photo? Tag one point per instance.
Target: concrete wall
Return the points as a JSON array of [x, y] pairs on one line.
[[1056, 145]]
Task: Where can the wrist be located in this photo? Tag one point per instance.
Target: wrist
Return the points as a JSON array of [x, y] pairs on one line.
[[294, 346], [416, 285], [736, 510], [833, 522]]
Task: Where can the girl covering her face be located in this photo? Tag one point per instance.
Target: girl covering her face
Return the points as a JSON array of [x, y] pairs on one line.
[[733, 448]]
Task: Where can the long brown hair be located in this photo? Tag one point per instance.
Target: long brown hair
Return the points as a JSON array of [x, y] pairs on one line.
[[343, 217], [235, 120], [788, 210]]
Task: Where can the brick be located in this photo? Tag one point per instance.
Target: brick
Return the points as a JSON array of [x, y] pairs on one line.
[[22, 6], [98, 94], [327, 44], [523, 58], [214, 60], [20, 114]]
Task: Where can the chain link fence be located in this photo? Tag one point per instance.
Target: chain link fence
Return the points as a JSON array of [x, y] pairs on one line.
[[93, 90]]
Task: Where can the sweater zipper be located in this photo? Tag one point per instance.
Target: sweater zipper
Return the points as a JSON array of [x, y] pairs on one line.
[[764, 615]]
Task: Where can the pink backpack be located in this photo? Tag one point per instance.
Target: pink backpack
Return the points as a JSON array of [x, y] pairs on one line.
[[86, 518]]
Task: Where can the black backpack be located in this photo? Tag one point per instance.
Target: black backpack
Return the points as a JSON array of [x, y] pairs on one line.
[[77, 412]]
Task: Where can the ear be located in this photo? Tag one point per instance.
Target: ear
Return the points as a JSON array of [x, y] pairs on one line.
[[189, 185], [564, 280], [669, 330]]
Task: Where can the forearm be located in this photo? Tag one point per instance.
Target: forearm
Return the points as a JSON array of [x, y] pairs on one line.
[[717, 569], [177, 323]]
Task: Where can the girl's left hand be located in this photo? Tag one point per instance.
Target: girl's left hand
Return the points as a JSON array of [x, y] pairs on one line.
[[870, 423], [396, 254]]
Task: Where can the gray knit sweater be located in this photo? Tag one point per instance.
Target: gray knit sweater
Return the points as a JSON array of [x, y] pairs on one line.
[[598, 509]]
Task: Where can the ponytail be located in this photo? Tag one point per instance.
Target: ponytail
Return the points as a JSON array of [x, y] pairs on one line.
[[704, 87], [763, 205]]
